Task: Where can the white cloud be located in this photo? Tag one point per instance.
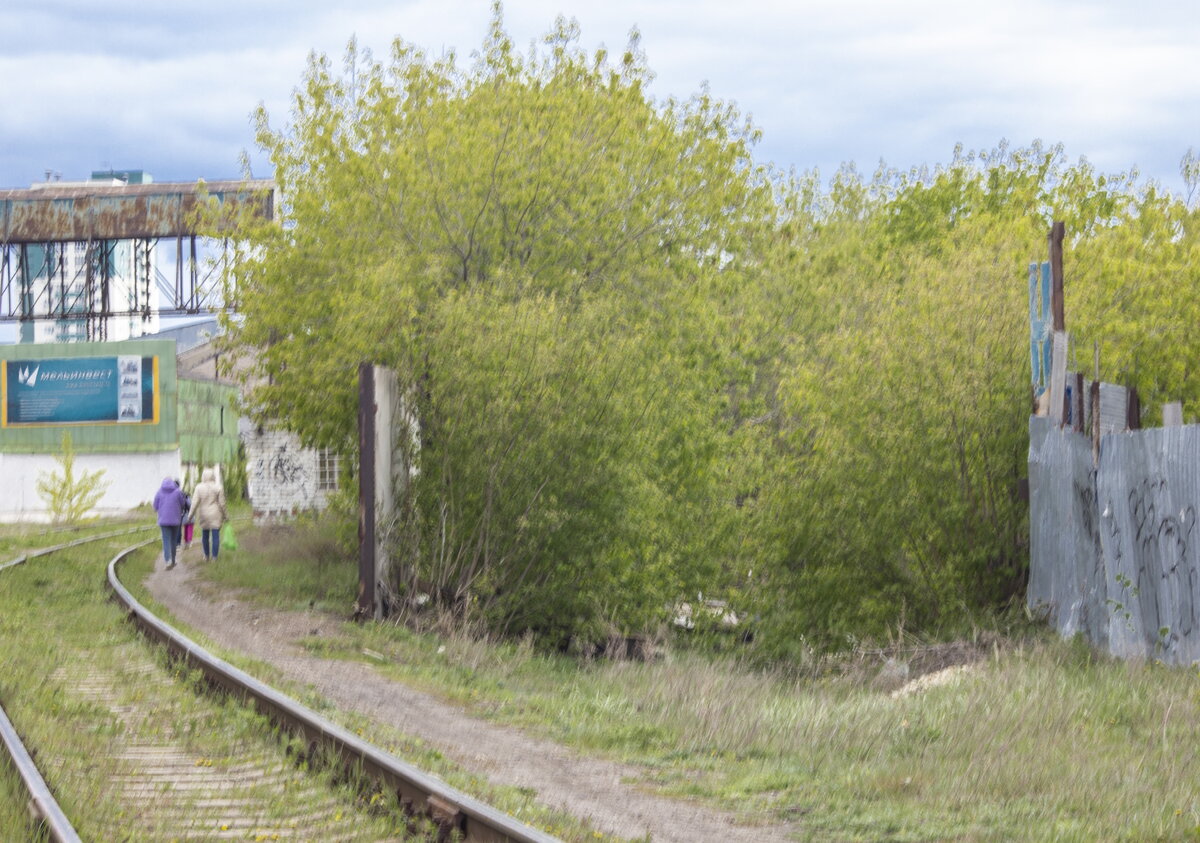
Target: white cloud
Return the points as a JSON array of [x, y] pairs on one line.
[[827, 81]]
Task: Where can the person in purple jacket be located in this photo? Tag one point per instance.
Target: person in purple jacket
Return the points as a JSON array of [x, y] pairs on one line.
[[169, 504]]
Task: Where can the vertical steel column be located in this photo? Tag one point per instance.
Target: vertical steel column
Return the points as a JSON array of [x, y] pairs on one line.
[[178, 264], [56, 265], [6, 293], [108, 250], [194, 275], [91, 324], [26, 284]]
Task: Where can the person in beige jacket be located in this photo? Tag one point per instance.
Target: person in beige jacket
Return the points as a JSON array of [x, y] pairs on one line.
[[208, 506]]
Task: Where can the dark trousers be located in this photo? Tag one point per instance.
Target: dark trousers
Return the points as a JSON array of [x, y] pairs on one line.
[[211, 539], [170, 537]]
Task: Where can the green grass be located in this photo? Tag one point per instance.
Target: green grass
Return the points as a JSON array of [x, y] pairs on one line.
[[317, 573], [242, 567], [17, 539], [61, 639], [13, 799], [1041, 740]]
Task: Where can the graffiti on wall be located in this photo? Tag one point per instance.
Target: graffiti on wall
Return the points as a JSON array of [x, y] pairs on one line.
[[1115, 550], [284, 476], [1166, 571]]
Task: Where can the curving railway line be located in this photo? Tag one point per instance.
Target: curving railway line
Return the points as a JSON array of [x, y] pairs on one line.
[[167, 789]]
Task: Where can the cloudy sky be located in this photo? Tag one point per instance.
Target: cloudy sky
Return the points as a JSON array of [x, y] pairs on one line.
[[123, 84]]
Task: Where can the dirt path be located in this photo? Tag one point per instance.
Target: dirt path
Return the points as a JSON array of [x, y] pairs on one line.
[[585, 787]]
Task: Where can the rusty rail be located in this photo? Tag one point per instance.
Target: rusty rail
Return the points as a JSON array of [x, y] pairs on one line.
[[45, 551], [42, 804], [421, 793]]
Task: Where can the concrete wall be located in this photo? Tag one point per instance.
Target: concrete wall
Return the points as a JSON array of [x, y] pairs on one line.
[[1114, 547], [283, 477], [132, 480]]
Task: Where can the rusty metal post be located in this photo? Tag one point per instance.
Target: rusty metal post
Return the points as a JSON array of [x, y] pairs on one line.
[[1056, 276], [365, 606], [1133, 410], [1077, 402]]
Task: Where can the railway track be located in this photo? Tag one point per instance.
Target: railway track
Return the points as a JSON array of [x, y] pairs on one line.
[[169, 786], [43, 808]]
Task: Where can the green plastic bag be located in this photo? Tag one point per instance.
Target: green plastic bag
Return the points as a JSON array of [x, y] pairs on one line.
[[228, 539]]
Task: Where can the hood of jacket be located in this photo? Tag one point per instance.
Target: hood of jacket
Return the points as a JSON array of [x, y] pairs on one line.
[[168, 485], [208, 476]]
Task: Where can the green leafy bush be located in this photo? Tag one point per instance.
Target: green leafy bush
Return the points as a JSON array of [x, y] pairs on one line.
[[70, 494], [645, 366], [541, 252]]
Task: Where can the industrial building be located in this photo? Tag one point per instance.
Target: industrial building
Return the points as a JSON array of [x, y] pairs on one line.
[[127, 412], [141, 410]]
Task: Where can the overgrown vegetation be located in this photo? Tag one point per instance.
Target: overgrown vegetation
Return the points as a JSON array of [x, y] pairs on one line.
[[17, 538], [645, 366], [1026, 737]]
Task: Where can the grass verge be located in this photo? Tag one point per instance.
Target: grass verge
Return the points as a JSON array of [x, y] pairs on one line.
[[1037, 739], [17, 539]]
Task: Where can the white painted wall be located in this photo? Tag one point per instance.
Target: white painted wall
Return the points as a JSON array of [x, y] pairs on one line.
[[132, 480], [282, 476]]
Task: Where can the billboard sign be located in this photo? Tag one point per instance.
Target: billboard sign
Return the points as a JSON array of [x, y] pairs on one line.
[[79, 390]]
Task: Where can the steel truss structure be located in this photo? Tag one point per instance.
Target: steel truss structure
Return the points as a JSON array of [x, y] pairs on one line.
[[39, 228]]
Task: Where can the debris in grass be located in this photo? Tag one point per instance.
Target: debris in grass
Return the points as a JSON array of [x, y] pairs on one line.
[[932, 680]]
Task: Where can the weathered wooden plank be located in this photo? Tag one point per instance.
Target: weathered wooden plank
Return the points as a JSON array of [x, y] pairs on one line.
[[1039, 326], [1114, 408], [1058, 376]]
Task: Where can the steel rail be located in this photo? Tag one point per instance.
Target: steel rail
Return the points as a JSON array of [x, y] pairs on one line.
[[45, 551], [418, 791], [42, 805]]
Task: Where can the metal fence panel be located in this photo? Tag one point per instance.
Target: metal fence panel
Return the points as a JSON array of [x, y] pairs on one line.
[[1149, 483], [1064, 535], [1114, 550]]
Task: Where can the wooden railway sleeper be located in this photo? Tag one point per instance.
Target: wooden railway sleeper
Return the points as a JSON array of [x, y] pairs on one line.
[[451, 811]]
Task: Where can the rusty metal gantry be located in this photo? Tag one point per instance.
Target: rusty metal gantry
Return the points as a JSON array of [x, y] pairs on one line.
[[38, 226]]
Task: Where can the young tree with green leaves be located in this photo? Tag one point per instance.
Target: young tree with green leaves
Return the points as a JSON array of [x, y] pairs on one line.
[[70, 495]]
